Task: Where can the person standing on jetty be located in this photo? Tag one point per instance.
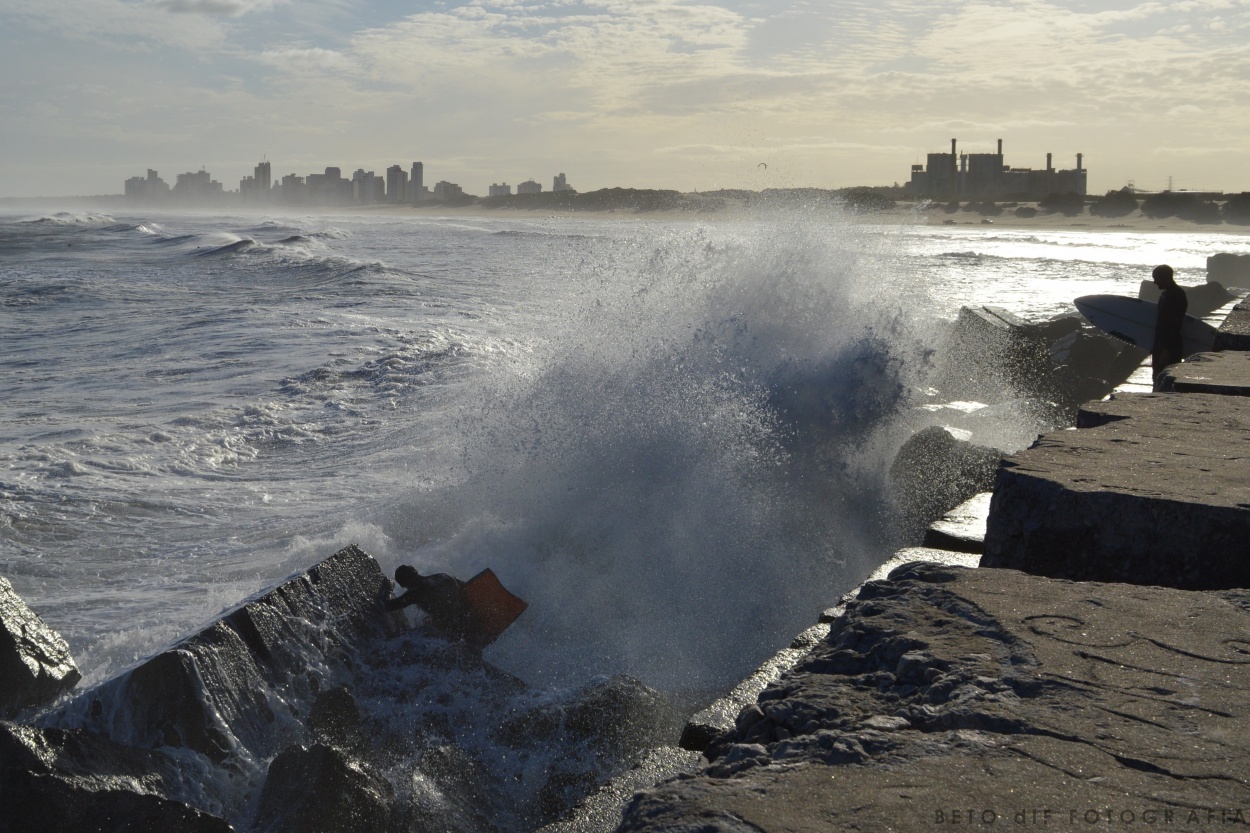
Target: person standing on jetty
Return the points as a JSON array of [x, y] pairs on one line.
[[1167, 347]]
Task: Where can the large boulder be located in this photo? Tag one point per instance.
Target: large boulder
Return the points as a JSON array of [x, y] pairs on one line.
[[236, 688], [935, 471], [54, 780], [451, 792], [1229, 269], [35, 663], [319, 789], [992, 355]]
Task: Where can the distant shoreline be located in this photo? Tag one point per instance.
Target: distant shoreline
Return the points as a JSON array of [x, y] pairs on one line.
[[717, 209]]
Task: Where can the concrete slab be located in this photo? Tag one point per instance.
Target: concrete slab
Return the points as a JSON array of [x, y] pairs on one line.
[[963, 528], [947, 697], [1234, 331], [1153, 489], [1226, 373]]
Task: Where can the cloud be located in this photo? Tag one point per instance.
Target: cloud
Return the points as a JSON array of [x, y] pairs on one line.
[[226, 8], [115, 24], [305, 60], [660, 91], [1198, 151]]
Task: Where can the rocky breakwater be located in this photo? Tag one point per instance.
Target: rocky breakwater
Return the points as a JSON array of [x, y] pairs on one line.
[[1151, 489], [312, 708], [947, 697], [1018, 697]]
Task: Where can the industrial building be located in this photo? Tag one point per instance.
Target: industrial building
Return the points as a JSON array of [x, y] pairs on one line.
[[984, 176]]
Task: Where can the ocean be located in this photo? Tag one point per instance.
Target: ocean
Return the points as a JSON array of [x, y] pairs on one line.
[[671, 436]]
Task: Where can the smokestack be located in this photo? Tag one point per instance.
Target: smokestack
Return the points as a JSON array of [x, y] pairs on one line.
[[1079, 157], [1049, 166], [1000, 147], [952, 147]]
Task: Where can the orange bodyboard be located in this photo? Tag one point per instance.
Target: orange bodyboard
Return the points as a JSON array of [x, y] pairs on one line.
[[492, 604]]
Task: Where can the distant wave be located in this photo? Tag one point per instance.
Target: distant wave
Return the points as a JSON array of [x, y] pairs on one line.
[[71, 218], [543, 234], [230, 248], [330, 234], [270, 227]]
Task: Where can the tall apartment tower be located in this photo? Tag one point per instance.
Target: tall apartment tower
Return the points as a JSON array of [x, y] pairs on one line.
[[396, 184], [416, 183], [262, 177]]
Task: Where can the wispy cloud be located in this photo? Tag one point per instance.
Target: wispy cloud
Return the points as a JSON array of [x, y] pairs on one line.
[[227, 8], [116, 24]]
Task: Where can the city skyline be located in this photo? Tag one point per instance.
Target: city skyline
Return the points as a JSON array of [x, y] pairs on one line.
[[683, 94], [399, 185]]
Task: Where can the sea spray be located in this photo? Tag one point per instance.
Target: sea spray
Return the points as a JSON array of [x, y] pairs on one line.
[[681, 474]]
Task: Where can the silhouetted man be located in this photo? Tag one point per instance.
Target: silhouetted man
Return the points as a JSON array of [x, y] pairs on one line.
[[1167, 348], [442, 597]]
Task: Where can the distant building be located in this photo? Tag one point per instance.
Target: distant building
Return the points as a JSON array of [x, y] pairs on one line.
[[257, 187], [329, 188], [292, 190], [197, 188], [147, 189], [396, 184], [529, 186], [501, 190], [367, 187], [416, 184], [446, 191], [560, 184], [983, 176]]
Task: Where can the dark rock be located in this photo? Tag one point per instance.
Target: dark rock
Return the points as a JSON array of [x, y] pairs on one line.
[[235, 682], [945, 690], [990, 354], [1229, 269], [335, 720], [35, 663], [1202, 299], [934, 472], [600, 812], [1234, 332], [963, 528], [1221, 373], [620, 716], [450, 794], [317, 789], [54, 780], [617, 716], [1156, 491], [706, 725]]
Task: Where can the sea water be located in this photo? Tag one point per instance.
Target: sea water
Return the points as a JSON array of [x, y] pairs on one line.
[[672, 437]]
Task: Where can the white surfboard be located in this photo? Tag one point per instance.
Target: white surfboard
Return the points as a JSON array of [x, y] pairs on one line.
[[1133, 320]]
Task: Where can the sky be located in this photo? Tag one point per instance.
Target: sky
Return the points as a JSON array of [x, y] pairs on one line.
[[684, 94]]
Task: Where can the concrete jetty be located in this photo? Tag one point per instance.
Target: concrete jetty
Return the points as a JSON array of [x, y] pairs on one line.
[[1092, 673]]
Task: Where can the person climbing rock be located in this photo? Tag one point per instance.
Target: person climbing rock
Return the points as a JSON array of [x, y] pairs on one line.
[[473, 612], [442, 598]]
